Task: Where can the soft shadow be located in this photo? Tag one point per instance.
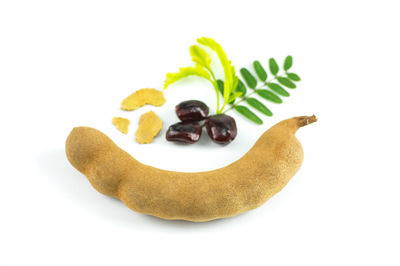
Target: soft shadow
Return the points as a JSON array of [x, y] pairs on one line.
[[182, 223], [72, 185]]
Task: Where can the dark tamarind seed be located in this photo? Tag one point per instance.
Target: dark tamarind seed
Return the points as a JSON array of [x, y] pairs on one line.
[[191, 110], [221, 128], [184, 132]]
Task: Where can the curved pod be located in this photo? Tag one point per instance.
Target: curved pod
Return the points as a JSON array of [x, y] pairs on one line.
[[241, 186]]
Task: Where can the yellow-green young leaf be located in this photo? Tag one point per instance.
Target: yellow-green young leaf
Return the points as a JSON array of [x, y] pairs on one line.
[[186, 72], [235, 79], [243, 110], [229, 71], [200, 56], [228, 87]]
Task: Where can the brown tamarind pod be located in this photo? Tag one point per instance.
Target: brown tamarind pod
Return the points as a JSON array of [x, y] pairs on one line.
[[241, 186]]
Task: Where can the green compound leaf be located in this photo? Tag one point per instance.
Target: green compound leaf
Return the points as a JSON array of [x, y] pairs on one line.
[[260, 71], [266, 94], [243, 110], [248, 78], [200, 56], [186, 72], [286, 82], [259, 106], [293, 76], [273, 66], [278, 89], [288, 62]]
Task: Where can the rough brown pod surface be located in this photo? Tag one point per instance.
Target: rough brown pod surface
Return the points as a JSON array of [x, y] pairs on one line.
[[241, 186]]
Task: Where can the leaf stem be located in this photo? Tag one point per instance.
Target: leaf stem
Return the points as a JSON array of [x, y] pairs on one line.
[[222, 108]]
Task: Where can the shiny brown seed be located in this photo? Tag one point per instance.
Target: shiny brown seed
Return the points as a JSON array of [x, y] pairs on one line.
[[184, 132], [192, 110], [221, 128]]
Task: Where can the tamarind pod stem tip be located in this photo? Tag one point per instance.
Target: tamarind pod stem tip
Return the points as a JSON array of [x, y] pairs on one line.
[[306, 120]]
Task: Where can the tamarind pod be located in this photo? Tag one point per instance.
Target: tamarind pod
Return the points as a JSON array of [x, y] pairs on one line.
[[202, 196]]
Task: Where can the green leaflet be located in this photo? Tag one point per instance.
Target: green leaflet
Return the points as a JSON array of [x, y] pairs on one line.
[[243, 110], [241, 87], [220, 86], [266, 94], [186, 72], [260, 71], [256, 104], [288, 63], [278, 89], [200, 56], [293, 76], [229, 70], [273, 66], [248, 78], [286, 82]]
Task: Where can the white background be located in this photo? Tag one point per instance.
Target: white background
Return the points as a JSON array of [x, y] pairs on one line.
[[70, 63]]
